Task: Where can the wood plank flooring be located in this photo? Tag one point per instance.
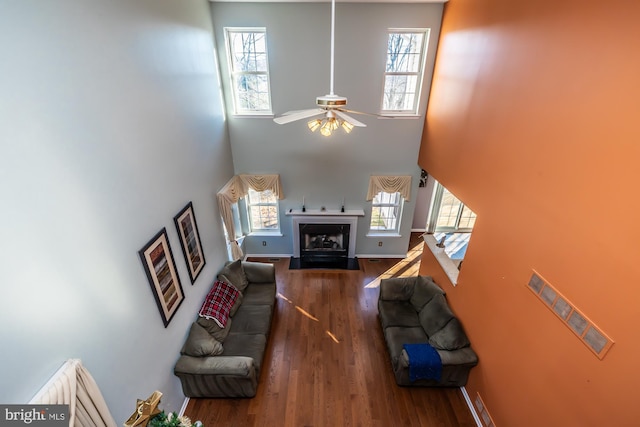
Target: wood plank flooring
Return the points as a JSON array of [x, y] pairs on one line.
[[326, 362]]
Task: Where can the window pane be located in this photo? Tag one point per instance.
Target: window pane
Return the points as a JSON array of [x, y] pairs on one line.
[[467, 219], [403, 52], [449, 209], [399, 92], [385, 211]]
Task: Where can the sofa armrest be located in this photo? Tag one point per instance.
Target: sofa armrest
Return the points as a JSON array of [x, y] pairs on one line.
[[259, 272], [215, 365], [397, 288]]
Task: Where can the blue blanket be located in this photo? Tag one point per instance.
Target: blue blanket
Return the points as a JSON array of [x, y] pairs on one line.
[[424, 362]]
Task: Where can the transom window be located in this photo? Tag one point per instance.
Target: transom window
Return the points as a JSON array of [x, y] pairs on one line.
[[262, 209], [249, 70], [386, 211], [406, 52]]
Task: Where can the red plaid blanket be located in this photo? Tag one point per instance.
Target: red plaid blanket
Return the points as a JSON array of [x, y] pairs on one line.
[[218, 302]]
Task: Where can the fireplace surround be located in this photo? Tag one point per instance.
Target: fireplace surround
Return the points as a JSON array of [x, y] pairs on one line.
[[324, 239]]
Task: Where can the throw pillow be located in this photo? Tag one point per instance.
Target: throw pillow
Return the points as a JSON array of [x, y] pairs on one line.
[[435, 314], [234, 274], [424, 289], [200, 343], [450, 337], [214, 329], [217, 305]]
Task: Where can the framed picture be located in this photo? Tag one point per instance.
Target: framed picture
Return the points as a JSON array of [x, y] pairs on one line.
[[160, 267], [190, 240]]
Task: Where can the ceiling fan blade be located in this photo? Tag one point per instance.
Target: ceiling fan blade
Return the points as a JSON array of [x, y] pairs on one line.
[[292, 116], [348, 118], [365, 114]]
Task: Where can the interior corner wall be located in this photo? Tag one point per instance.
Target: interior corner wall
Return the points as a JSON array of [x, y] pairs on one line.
[[532, 122], [111, 122]]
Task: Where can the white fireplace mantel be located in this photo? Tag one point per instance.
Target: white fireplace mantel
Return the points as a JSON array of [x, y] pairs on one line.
[[325, 217]]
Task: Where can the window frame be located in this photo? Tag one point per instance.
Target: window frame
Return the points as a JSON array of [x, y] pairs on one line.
[[415, 108], [249, 205], [398, 207], [233, 74]]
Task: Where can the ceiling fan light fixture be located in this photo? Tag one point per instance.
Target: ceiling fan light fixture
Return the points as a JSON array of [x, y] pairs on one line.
[[314, 125], [347, 127]]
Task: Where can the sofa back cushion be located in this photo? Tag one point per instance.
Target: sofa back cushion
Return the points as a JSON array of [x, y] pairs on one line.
[[234, 273], [435, 314], [425, 289], [397, 288], [200, 343], [214, 329], [450, 337]]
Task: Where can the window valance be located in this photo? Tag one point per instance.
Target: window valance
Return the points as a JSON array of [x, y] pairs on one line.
[[389, 184], [234, 190]]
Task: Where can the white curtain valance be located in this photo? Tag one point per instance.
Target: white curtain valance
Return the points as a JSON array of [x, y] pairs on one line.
[[390, 184], [237, 188]]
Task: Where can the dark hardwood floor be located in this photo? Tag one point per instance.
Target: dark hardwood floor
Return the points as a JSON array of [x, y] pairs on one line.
[[326, 362]]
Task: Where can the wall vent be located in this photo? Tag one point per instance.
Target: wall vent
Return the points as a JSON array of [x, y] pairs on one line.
[[486, 419], [590, 335]]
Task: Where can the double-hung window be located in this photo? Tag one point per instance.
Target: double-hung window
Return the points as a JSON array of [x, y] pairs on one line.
[[262, 210], [449, 230], [386, 211], [406, 52], [249, 70]]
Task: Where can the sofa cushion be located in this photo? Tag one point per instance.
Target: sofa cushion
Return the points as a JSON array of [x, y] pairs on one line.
[[259, 294], [218, 302], [424, 289], [214, 329], [251, 345], [397, 288], [397, 313], [234, 273], [450, 337], [435, 314], [252, 319], [200, 343]]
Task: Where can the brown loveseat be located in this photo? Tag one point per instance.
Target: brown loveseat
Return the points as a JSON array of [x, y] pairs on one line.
[[414, 310]]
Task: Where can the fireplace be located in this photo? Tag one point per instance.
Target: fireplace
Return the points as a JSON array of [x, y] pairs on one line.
[[324, 242], [325, 239]]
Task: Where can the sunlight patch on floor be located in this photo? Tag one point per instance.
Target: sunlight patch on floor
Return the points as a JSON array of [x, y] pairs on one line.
[[408, 267]]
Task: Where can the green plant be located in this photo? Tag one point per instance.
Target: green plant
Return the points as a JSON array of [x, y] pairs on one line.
[[169, 420]]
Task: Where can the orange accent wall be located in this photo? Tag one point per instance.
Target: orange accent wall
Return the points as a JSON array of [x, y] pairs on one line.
[[534, 122]]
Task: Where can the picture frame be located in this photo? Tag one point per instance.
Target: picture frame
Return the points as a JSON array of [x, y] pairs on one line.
[[160, 267], [190, 242]]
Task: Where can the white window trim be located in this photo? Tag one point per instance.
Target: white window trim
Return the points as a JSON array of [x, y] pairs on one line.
[[238, 113], [262, 231], [414, 113], [448, 265], [395, 232]]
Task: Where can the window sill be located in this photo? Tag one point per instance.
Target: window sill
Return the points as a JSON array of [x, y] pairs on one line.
[[389, 115], [374, 234], [266, 233], [254, 116], [449, 266]]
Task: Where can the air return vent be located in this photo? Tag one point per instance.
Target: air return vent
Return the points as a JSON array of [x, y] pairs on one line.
[[487, 421], [590, 335]]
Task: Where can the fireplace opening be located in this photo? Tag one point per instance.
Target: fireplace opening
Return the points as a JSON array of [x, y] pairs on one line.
[[324, 246]]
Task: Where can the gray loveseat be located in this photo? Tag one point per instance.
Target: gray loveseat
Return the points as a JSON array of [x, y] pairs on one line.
[[226, 362], [414, 310]]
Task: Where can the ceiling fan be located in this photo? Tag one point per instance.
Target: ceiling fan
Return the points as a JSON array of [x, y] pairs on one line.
[[331, 106]]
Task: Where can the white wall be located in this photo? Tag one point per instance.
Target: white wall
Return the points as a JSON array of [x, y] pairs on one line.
[[325, 170], [110, 122]]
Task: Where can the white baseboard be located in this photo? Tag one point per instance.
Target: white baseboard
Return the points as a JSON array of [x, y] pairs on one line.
[[267, 256], [472, 408], [381, 256], [418, 230], [184, 407]]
